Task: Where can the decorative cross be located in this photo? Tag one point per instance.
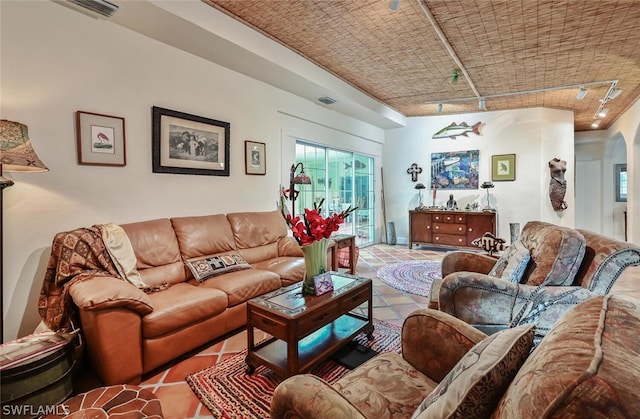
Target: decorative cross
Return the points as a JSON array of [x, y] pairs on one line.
[[414, 171]]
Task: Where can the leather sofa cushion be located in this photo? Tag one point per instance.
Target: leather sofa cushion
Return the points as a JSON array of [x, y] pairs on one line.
[[203, 236], [257, 254], [241, 286], [256, 229], [156, 248], [290, 269], [180, 306]]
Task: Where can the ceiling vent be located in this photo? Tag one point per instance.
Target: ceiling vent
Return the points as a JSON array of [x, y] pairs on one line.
[[327, 100], [101, 7]]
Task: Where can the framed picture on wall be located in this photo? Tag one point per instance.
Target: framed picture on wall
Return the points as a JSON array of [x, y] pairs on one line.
[[101, 139], [255, 158], [189, 144], [455, 169], [503, 167]]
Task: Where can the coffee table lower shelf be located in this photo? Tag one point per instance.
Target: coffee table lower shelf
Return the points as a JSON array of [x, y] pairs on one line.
[[312, 349]]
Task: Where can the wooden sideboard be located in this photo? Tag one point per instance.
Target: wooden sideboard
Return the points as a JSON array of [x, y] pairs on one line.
[[449, 228]]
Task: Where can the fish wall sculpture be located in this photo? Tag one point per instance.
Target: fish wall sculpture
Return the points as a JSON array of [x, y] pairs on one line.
[[454, 130]]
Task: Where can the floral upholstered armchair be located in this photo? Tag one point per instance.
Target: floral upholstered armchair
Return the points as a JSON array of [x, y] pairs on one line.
[[587, 366], [538, 278]]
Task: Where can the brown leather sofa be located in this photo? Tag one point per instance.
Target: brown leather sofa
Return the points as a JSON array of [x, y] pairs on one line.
[[129, 332]]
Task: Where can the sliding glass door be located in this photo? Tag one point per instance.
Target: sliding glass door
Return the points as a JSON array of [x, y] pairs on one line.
[[342, 179]]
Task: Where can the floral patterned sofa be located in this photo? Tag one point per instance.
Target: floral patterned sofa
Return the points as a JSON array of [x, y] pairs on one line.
[[549, 270], [588, 365]]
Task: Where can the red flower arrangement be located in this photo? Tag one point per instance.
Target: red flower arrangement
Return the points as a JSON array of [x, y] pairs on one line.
[[312, 226]]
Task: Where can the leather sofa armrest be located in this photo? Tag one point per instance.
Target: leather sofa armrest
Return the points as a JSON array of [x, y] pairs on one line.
[[433, 342], [288, 246], [467, 261], [307, 396], [102, 293]]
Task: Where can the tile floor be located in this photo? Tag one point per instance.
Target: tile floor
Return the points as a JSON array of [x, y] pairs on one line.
[[391, 305]]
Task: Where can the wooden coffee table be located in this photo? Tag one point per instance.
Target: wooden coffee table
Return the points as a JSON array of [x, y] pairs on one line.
[[305, 330]]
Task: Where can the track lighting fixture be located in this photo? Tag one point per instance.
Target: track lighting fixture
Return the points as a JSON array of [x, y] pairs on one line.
[[600, 113], [614, 93], [596, 123], [394, 5], [611, 94], [582, 93]]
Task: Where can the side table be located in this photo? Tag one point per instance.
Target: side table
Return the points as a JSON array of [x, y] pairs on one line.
[[342, 241], [36, 373]]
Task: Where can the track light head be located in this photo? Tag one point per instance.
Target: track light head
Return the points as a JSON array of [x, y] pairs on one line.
[[582, 93], [394, 5], [603, 112], [481, 104], [439, 107], [596, 123], [614, 93]]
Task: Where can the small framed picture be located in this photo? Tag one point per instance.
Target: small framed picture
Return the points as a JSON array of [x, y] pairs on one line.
[[101, 139], [255, 158], [503, 167], [323, 283], [189, 144]]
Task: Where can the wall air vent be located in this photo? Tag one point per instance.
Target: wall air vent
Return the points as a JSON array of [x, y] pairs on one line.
[[327, 100], [102, 7]]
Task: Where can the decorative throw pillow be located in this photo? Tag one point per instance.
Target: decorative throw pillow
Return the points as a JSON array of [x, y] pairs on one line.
[[512, 263], [208, 267], [476, 384]]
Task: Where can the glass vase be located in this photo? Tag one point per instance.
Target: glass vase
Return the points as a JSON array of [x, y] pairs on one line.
[[315, 263]]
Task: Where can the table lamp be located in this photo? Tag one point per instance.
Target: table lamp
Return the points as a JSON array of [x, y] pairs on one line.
[[487, 185], [420, 187]]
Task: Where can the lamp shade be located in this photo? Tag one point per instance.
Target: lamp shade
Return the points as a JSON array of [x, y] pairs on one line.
[[16, 152], [302, 179], [420, 186]]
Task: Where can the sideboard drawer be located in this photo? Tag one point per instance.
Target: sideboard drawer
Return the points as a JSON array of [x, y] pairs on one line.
[[454, 218], [449, 228], [450, 239]]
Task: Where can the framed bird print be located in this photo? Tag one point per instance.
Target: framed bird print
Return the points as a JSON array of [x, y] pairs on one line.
[[503, 167], [100, 139]]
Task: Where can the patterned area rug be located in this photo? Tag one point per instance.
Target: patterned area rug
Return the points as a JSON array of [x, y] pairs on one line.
[[412, 276], [229, 392]]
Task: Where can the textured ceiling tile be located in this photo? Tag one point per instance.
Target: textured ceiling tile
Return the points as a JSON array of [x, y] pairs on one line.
[[505, 46]]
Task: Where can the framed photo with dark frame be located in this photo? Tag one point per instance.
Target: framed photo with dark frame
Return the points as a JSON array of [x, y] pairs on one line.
[[101, 139], [189, 144], [503, 167], [255, 158]]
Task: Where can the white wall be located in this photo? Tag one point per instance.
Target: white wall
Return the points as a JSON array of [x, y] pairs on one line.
[[606, 148], [56, 61], [534, 135]]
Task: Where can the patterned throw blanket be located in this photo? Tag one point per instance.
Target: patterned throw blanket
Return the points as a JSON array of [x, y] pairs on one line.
[[75, 256]]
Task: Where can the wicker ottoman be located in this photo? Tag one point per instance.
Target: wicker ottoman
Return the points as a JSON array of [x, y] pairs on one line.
[[125, 401]]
